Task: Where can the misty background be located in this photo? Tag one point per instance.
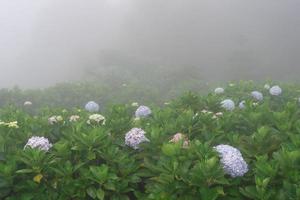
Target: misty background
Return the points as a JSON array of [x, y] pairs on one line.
[[50, 41]]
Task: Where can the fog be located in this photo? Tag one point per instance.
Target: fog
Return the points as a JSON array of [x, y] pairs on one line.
[[49, 41]]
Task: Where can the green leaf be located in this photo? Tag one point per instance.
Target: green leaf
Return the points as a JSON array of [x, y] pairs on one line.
[[100, 194], [24, 171], [170, 149], [91, 191]]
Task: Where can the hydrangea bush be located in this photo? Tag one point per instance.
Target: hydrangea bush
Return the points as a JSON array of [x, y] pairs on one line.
[[250, 153]]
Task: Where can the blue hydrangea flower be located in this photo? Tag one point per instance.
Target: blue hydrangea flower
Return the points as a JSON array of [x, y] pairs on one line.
[[41, 143], [258, 96], [142, 111], [92, 106], [275, 90], [134, 137], [228, 104], [242, 104], [232, 160]]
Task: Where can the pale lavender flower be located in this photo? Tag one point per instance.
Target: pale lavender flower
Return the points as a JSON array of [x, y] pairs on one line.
[[41, 143], [232, 160], [92, 106], [228, 104], [242, 104], [275, 90], [134, 137], [258, 96], [142, 111]]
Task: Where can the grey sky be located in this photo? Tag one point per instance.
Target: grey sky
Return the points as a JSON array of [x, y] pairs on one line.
[[48, 41]]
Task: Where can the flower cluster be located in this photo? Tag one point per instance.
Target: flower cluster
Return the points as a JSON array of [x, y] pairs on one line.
[[142, 111], [232, 160], [96, 119], [228, 104], [135, 104], [92, 106], [275, 90], [134, 137], [74, 118], [267, 86], [219, 90], [41, 143], [55, 119], [242, 104], [13, 124], [27, 103], [217, 115], [258, 96], [180, 137]]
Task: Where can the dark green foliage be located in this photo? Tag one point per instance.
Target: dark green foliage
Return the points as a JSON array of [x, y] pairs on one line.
[[91, 161]]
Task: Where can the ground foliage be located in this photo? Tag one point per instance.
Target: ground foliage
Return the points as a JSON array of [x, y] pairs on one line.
[[91, 161]]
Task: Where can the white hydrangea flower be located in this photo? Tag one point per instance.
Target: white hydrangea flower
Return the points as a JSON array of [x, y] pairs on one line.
[[275, 90], [41, 143], [228, 104], [267, 86], [258, 96], [96, 118], [135, 104], [231, 84], [219, 90], [232, 160], [219, 114], [74, 118], [134, 137], [27, 103], [142, 111], [92, 106], [55, 119], [242, 104]]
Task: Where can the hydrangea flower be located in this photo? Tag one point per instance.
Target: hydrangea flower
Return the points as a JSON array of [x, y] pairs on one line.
[[135, 104], [55, 119], [134, 137], [92, 106], [258, 96], [27, 103], [96, 118], [74, 118], [41, 143], [228, 104], [275, 90], [178, 137], [242, 104], [232, 160], [217, 115], [267, 86], [219, 90], [142, 111]]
